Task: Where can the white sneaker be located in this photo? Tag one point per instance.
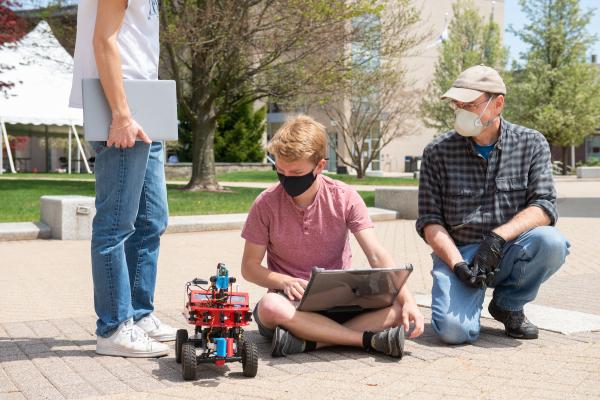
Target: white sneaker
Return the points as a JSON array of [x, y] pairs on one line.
[[130, 341], [156, 329]]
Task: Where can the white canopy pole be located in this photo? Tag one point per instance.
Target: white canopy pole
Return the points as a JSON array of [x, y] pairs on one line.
[[80, 149], [8, 152], [69, 155]]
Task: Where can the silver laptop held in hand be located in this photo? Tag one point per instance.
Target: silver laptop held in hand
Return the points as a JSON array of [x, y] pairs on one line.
[[153, 105]]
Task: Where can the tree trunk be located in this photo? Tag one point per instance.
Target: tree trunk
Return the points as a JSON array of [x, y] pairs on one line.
[[564, 160], [360, 168], [203, 156]]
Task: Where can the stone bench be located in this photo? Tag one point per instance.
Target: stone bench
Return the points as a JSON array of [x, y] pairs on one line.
[[219, 222], [588, 172], [402, 199], [69, 217]]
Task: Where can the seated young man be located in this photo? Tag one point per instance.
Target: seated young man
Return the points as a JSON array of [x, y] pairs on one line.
[[303, 222]]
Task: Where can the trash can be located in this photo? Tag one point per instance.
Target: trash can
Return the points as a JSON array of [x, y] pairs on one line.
[[417, 164], [408, 164], [341, 169]]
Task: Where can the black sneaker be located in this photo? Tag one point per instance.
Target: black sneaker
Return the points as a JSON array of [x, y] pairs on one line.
[[389, 342], [284, 343], [516, 324]]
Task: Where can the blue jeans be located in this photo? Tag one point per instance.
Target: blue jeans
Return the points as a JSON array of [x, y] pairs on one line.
[[526, 263], [131, 214]]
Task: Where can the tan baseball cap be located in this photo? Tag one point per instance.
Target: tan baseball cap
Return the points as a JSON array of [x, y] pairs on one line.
[[475, 81]]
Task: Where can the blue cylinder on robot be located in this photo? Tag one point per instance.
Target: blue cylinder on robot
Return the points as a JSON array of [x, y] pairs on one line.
[[221, 347]]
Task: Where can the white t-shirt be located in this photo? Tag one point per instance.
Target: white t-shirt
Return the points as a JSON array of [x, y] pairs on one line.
[[137, 40]]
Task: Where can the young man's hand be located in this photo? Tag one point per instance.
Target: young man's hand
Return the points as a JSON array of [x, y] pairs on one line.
[[411, 313], [123, 133], [293, 288]]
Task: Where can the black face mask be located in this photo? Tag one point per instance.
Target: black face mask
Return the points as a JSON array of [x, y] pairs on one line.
[[296, 185]]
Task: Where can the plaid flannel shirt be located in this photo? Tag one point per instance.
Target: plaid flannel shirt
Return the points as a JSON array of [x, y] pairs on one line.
[[470, 196]]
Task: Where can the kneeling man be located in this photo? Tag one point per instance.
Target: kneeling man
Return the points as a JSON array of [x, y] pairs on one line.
[[487, 208], [303, 222]]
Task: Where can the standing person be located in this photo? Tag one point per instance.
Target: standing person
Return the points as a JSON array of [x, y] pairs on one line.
[[305, 221], [487, 208], [117, 40]]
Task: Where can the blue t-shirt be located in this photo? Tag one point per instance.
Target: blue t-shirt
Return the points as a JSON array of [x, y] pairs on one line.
[[485, 151]]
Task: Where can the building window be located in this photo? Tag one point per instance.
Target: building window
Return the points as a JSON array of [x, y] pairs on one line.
[[592, 148]]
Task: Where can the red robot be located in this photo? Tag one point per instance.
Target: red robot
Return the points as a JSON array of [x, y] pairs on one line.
[[218, 315]]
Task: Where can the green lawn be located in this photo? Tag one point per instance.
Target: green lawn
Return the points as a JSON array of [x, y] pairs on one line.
[[19, 199], [241, 176], [49, 175]]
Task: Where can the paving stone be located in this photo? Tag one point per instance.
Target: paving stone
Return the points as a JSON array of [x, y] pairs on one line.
[[144, 384], [18, 330], [42, 393], [111, 387], [418, 395], [43, 329], [77, 391], [12, 396], [6, 384], [9, 348], [34, 348], [57, 372]]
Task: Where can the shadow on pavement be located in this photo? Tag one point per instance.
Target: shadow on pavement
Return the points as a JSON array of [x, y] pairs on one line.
[[489, 337], [32, 348]]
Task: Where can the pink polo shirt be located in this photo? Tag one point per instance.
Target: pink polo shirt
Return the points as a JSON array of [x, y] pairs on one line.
[[299, 239]]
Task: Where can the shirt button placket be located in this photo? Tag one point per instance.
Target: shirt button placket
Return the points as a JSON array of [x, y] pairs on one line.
[[305, 224]]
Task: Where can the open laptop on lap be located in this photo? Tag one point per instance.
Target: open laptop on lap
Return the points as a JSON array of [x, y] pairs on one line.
[[353, 290]]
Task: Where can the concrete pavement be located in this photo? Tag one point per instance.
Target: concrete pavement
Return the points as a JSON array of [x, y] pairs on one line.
[[47, 340]]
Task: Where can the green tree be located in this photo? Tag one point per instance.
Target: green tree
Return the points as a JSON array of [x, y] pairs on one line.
[[239, 135], [471, 41], [556, 92], [224, 53]]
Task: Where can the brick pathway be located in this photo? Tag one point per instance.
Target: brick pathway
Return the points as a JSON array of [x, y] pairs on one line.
[[47, 342], [55, 359]]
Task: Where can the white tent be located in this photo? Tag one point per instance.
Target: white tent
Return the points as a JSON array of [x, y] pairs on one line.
[[41, 71]]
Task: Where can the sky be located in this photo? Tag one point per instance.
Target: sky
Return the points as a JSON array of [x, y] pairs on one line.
[[512, 16]]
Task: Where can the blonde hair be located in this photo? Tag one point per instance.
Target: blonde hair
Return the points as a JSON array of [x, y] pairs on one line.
[[300, 138]]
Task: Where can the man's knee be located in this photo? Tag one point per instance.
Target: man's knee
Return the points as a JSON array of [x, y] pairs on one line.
[[158, 225], [451, 330], [551, 245]]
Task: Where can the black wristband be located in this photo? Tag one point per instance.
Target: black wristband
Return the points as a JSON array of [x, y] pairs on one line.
[[497, 238]]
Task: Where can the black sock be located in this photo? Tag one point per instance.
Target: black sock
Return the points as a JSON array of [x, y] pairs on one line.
[[310, 346], [366, 341]]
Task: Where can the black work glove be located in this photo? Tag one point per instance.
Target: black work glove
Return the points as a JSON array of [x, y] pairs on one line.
[[465, 273], [485, 263]]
